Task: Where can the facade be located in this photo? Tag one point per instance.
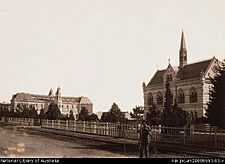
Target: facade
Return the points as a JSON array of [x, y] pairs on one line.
[[64, 103], [189, 84]]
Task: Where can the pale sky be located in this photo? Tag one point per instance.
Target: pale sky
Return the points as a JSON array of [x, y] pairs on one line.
[[102, 49]]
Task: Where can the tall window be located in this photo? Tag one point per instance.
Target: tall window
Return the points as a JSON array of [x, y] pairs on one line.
[[193, 95], [169, 78], [149, 99], [159, 98], [181, 97]]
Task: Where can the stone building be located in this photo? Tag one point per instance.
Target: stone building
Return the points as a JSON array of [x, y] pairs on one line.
[[189, 84], [64, 103]]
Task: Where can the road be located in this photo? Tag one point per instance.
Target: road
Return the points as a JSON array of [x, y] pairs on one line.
[[17, 143]]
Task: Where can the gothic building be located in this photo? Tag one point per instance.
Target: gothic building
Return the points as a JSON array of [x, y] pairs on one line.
[[64, 103], [189, 84]]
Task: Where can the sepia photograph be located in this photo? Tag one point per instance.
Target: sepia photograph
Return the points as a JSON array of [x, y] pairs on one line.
[[99, 79]]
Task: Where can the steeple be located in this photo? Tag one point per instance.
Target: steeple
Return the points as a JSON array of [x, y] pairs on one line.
[[183, 51]]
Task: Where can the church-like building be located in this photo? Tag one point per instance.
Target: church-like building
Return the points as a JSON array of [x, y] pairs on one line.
[[64, 103], [189, 84]]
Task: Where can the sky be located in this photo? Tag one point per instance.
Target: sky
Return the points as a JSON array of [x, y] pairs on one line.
[[102, 49]]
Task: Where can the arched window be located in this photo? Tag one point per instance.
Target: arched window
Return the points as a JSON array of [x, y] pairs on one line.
[[159, 98], [169, 78], [181, 97], [193, 95], [149, 99]]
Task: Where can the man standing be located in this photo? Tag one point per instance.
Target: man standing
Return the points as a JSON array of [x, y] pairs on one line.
[[145, 133]]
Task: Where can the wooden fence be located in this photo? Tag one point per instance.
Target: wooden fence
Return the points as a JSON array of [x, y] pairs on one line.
[[191, 136]]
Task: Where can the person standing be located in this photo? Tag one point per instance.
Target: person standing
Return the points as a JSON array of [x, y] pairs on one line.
[[145, 134]]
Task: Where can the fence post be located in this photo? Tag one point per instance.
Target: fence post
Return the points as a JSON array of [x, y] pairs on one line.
[[215, 137], [107, 128], [94, 127], [67, 124], [74, 125], [83, 126], [58, 124], [52, 123], [184, 135]]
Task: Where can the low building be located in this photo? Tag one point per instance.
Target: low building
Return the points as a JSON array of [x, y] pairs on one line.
[[64, 103]]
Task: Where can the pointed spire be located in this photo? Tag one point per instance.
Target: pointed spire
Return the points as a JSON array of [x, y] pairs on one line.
[[182, 44], [183, 51]]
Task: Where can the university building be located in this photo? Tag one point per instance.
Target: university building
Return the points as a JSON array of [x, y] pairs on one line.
[[189, 84], [64, 103]]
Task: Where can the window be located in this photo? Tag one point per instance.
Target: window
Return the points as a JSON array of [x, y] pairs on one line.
[[193, 95], [181, 97], [149, 99], [169, 78], [159, 98]]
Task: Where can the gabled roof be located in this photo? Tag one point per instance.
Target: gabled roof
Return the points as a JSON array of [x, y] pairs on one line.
[[157, 78], [194, 70], [189, 71]]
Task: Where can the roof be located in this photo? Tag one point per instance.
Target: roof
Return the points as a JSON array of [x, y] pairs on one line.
[[85, 100], [157, 78], [193, 70], [189, 71], [34, 97]]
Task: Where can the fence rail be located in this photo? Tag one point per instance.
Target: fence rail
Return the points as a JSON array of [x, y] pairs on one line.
[[187, 136]]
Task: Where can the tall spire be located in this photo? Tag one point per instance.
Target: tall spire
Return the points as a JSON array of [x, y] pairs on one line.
[[183, 51], [182, 44]]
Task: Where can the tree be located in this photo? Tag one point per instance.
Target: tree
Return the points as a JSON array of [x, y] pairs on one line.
[[32, 112], [114, 115], [83, 115], [168, 106], [138, 113], [53, 112], [173, 116], [180, 117], [42, 114], [104, 117], [64, 117], [19, 110], [4, 111], [215, 112], [93, 117], [71, 116], [153, 116]]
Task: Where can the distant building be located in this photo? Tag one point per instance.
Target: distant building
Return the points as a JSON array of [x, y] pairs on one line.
[[189, 83], [64, 103]]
